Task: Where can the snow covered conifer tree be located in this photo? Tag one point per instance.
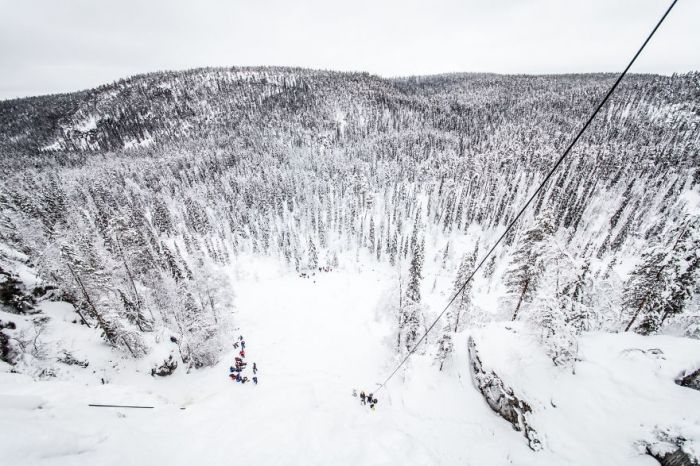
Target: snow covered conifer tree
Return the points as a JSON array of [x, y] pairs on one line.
[[313, 255], [561, 308], [445, 345], [557, 334], [297, 262], [393, 249], [160, 217], [462, 305], [415, 272], [445, 255], [82, 265], [411, 314], [527, 264], [576, 296], [411, 320], [456, 315], [664, 280], [196, 217], [334, 260], [490, 267]]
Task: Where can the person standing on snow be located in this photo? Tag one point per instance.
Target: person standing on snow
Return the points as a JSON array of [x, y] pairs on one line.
[[242, 344], [255, 380], [372, 401], [255, 368], [242, 353], [363, 398]]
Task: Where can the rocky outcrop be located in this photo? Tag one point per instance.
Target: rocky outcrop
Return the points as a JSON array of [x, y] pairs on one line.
[[13, 294], [674, 458], [6, 352], [501, 398], [671, 450], [165, 369], [690, 379]]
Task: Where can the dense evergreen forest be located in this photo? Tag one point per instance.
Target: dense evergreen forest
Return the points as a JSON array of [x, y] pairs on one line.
[[129, 199]]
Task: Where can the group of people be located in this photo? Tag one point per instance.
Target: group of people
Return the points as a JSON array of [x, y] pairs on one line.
[[366, 399], [235, 371], [312, 273]]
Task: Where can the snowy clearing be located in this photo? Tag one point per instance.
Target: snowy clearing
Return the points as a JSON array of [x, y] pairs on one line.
[[316, 339]]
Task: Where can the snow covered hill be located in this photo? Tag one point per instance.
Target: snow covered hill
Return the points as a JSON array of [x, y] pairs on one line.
[[328, 218]]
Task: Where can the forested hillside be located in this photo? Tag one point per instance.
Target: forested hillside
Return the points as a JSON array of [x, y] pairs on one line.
[[127, 200]]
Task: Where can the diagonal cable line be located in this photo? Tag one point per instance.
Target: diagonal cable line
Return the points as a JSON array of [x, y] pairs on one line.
[[537, 191]]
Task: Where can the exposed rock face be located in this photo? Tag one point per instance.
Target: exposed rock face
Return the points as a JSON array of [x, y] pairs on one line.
[[675, 458], [690, 379], [13, 295], [501, 398], [6, 353], [669, 451]]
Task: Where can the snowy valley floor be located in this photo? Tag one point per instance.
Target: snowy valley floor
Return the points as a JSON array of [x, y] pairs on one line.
[[313, 342]]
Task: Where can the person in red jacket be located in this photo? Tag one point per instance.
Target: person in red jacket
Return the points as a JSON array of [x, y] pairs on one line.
[[242, 353]]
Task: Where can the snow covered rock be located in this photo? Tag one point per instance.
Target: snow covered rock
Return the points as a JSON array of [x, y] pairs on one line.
[[502, 398], [13, 294], [619, 403], [672, 450], [675, 457], [690, 379], [5, 349], [165, 369]]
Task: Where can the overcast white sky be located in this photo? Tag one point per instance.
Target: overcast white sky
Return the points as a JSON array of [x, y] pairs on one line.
[[49, 46]]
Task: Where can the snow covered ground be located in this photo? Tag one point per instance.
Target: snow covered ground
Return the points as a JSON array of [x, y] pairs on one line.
[[314, 340], [620, 393]]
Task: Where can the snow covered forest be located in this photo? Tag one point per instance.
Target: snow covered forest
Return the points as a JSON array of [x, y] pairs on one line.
[[134, 201]]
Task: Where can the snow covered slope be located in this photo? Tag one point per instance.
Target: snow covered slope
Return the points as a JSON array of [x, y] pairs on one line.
[[619, 398], [314, 340]]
